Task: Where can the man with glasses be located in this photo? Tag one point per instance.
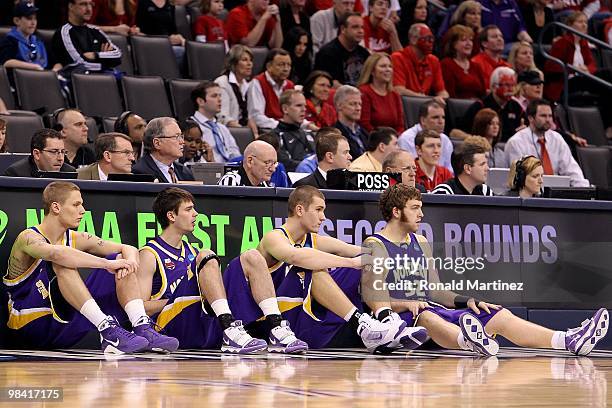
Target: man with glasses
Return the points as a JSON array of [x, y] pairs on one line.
[[114, 154], [258, 165], [333, 152], [400, 161], [46, 154], [163, 146]]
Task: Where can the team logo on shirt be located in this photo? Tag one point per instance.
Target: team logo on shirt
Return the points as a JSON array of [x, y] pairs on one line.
[[168, 264]]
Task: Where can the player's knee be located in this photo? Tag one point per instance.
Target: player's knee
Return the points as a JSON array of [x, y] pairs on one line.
[[252, 258], [503, 314], [61, 270]]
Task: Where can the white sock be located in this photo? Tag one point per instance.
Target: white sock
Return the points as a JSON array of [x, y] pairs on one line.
[[92, 312], [558, 340], [269, 307], [220, 306], [462, 342], [350, 314], [136, 312]]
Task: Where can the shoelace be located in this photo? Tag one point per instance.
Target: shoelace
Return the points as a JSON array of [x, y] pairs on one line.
[[286, 334], [577, 329], [242, 335]]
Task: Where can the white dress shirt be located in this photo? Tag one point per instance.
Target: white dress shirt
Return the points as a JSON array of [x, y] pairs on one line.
[[231, 147], [101, 174], [230, 110], [406, 142], [525, 143], [163, 168], [257, 102], [323, 28]]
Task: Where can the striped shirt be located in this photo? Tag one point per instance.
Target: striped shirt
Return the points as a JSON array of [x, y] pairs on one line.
[[239, 178], [454, 187]]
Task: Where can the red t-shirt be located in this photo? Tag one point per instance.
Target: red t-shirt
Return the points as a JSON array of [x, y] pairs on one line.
[[423, 76], [240, 22], [327, 116], [210, 27], [487, 65], [377, 110], [104, 15], [461, 84], [440, 176], [375, 39]]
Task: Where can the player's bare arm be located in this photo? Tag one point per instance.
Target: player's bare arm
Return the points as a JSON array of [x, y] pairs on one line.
[[146, 270], [337, 247]]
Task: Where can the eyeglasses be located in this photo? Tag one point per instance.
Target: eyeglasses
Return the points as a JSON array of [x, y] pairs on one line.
[[178, 136], [267, 163], [126, 152], [55, 152]]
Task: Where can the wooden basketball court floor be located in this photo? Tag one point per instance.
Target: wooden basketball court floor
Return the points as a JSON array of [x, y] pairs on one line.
[[327, 378]]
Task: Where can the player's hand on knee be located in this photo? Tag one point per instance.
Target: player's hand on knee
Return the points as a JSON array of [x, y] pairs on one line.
[[415, 306], [488, 306], [114, 266]]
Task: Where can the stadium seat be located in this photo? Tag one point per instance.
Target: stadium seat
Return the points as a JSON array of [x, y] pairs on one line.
[[455, 110], [182, 20], [47, 37], [243, 136], [29, 86], [586, 122], [153, 56], [4, 30], [86, 90], [205, 60], [411, 106], [180, 95], [606, 58], [259, 59], [19, 131], [561, 117], [120, 41], [108, 124], [595, 163], [146, 96], [92, 129], [5, 90]]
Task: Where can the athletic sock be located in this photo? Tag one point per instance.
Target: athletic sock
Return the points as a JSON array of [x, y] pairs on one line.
[[462, 342], [274, 320], [383, 313], [352, 318], [220, 306], [136, 312], [558, 340], [92, 312], [269, 307], [226, 320]]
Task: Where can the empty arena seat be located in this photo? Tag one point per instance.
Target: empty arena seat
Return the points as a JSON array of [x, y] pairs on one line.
[[180, 95], [5, 90], [411, 106], [455, 110], [205, 60], [243, 136], [259, 59], [46, 36], [586, 122], [108, 124], [92, 129], [19, 131], [154, 56], [121, 41], [146, 96], [595, 164], [182, 19], [30, 84], [87, 90]]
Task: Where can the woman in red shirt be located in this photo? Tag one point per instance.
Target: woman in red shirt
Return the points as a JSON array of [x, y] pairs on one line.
[[380, 104], [116, 16], [316, 90], [462, 79]]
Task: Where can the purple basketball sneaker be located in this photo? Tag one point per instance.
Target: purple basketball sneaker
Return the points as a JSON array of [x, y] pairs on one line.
[[476, 336], [410, 337], [237, 340], [581, 340], [116, 340], [157, 341], [283, 340]]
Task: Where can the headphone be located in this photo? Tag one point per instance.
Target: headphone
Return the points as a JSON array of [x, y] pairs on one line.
[[121, 125], [520, 174], [55, 123]]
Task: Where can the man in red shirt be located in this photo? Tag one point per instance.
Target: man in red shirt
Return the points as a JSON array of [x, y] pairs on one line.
[[380, 34], [255, 23], [428, 147], [492, 45], [416, 72]]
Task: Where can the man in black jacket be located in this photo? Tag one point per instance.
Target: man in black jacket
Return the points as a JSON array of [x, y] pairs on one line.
[[295, 143], [46, 154], [333, 152]]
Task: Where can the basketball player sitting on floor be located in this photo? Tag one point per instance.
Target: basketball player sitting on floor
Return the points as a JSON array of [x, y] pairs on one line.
[[46, 292], [454, 321], [180, 286]]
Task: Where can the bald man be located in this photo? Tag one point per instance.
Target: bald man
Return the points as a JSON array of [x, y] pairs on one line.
[[258, 164], [400, 161]]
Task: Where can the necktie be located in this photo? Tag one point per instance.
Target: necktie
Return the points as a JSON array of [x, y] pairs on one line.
[[172, 175], [218, 141], [546, 163]]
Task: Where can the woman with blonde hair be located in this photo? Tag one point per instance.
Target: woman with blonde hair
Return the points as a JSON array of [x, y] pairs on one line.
[[462, 78], [521, 57], [468, 13], [526, 177], [381, 105]]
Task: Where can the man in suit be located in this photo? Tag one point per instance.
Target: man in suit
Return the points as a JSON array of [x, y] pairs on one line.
[[163, 146], [114, 154], [47, 153], [333, 152]]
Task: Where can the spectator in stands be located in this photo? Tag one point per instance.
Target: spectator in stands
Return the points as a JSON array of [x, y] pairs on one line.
[[114, 154], [462, 79], [471, 172], [468, 13], [209, 27], [292, 15], [347, 100], [316, 90], [537, 15], [530, 87], [255, 23], [116, 16], [234, 83], [3, 145], [416, 72], [333, 152], [487, 125], [492, 45], [206, 98], [80, 47], [163, 146], [503, 87], [265, 89], [381, 105], [429, 173], [539, 140], [412, 12], [196, 150], [380, 34], [382, 142], [46, 154], [506, 15], [73, 127], [324, 24], [431, 117], [309, 164], [132, 125], [157, 17], [295, 143], [259, 163], [521, 57], [588, 7], [400, 161], [20, 47], [343, 57], [526, 177], [484, 143], [298, 44]]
